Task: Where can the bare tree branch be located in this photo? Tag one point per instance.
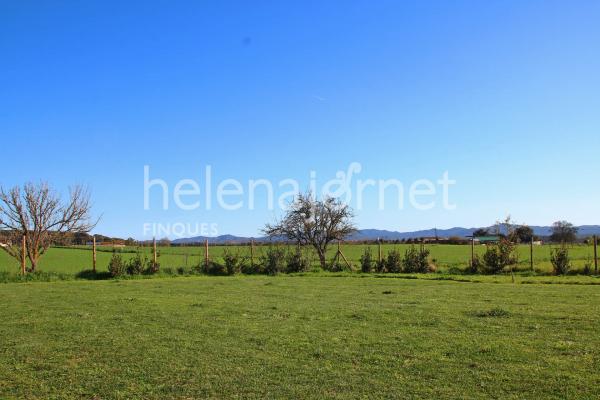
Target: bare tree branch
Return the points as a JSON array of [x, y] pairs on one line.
[[313, 222], [38, 213]]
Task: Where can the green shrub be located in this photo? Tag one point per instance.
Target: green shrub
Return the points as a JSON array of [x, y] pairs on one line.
[[366, 261], [499, 256], [338, 266], [297, 261], [252, 268], [587, 268], [273, 260], [152, 268], [454, 270], [393, 262], [491, 261], [116, 265], [379, 266], [180, 271], [214, 268], [137, 265], [475, 265], [416, 260], [233, 262], [561, 261]]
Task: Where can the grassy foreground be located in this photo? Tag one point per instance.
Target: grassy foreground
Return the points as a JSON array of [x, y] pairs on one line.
[[298, 337]]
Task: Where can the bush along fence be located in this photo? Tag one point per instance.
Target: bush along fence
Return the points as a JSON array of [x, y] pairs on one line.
[[273, 260], [498, 258]]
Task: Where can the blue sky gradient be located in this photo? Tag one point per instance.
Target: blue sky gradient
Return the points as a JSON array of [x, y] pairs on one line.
[[504, 95]]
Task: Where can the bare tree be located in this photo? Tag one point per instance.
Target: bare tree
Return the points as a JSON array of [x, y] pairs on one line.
[[37, 213], [316, 223]]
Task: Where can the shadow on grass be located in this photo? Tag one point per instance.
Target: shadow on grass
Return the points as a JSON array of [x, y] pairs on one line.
[[90, 275], [42, 276], [493, 313], [6, 277]]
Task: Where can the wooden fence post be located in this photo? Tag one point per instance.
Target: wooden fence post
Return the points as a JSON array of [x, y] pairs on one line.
[[206, 253], [339, 254], [23, 252], [94, 253], [472, 251], [595, 254], [531, 253], [154, 257]]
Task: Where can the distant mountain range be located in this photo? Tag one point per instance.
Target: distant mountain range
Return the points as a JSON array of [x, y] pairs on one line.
[[374, 234]]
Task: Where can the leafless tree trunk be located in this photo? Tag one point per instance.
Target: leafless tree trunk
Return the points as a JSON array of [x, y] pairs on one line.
[[315, 223], [38, 213]]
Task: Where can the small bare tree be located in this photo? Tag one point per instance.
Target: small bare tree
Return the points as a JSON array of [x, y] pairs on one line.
[[316, 223], [37, 213]]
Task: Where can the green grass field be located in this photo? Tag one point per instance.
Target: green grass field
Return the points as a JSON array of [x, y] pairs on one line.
[[444, 256], [298, 337]]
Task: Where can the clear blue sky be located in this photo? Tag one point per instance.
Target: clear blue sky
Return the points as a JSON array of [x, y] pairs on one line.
[[505, 95]]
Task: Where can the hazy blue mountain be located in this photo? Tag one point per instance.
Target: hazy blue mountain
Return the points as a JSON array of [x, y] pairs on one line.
[[373, 234], [223, 239]]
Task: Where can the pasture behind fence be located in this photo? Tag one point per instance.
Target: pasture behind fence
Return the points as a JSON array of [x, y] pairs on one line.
[[531, 256], [447, 258]]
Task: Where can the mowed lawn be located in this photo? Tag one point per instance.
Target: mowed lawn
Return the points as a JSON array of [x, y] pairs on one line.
[[298, 337]]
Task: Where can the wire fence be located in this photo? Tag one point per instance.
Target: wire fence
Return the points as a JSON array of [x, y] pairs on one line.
[[444, 257]]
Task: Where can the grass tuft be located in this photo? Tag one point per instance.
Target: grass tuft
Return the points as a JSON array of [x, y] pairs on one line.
[[493, 313]]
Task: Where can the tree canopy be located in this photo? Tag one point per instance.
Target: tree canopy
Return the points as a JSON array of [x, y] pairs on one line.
[[314, 222]]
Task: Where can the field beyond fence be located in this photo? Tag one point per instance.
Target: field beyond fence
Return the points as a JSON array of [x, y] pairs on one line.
[[446, 258]]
